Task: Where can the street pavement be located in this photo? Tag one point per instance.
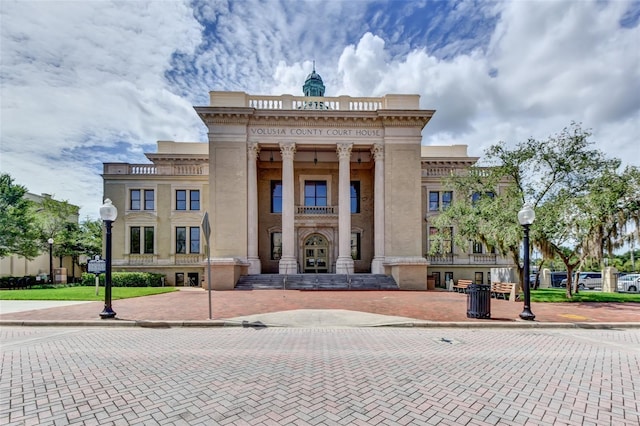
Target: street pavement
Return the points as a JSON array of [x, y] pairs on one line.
[[319, 376], [277, 357], [293, 308]]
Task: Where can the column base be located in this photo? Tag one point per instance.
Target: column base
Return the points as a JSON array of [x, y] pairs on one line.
[[344, 265], [377, 265], [255, 268], [288, 266]]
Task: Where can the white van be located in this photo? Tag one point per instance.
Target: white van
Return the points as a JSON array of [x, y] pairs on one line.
[[629, 283], [590, 280]]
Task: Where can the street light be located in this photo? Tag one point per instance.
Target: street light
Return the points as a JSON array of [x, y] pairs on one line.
[[108, 214], [50, 241], [526, 216]]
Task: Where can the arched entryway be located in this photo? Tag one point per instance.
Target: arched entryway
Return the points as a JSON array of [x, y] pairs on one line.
[[316, 255]]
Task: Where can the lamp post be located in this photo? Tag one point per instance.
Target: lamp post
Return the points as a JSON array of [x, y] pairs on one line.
[[50, 241], [108, 214], [526, 216]]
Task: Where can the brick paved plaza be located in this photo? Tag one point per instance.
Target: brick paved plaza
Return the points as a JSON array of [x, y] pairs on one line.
[[327, 376]]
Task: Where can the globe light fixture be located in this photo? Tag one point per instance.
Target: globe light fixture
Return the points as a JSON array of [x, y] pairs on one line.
[[526, 216], [108, 214]]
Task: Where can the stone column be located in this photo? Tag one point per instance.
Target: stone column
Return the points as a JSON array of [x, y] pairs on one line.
[[288, 264], [344, 263], [252, 209], [377, 266]]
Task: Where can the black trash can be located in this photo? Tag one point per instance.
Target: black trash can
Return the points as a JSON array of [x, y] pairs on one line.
[[479, 301]]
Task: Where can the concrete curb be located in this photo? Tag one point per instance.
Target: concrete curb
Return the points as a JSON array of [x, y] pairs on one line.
[[247, 324]]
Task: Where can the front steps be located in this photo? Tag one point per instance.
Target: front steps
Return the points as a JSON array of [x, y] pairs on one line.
[[316, 282]]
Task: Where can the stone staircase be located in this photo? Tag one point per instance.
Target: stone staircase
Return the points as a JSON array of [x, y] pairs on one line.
[[317, 282]]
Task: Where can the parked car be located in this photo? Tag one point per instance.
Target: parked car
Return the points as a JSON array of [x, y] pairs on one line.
[[629, 283], [590, 280]]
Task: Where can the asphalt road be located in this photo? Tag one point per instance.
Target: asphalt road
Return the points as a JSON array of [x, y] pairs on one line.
[[326, 376]]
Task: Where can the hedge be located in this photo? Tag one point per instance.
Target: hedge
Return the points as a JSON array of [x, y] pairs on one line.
[[127, 279]]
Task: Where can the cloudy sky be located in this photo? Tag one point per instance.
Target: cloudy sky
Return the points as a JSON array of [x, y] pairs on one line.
[[87, 82]]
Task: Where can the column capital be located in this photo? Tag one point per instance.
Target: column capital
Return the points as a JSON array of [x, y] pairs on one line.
[[377, 151], [344, 150], [287, 150], [253, 149]]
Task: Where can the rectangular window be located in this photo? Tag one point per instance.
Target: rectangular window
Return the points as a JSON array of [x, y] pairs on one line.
[[181, 199], [135, 199], [276, 245], [434, 201], [447, 199], [476, 196], [134, 240], [478, 278], [477, 247], [149, 199], [315, 193], [181, 240], [355, 197], [355, 245], [276, 196], [489, 278], [194, 200], [443, 241], [148, 239], [194, 239]]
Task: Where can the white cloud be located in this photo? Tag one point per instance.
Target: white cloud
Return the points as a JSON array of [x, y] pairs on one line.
[[81, 76], [91, 82]]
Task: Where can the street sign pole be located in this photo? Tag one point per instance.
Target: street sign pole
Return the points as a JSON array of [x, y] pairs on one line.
[[206, 230]]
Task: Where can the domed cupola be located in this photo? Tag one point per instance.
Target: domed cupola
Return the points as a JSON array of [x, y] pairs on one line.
[[313, 85]]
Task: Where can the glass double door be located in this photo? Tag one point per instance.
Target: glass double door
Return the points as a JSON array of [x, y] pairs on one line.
[[316, 255]]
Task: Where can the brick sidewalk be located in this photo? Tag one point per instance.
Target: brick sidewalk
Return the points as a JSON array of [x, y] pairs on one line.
[[439, 306]]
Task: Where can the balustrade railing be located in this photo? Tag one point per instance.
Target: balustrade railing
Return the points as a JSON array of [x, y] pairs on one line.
[[316, 210], [141, 259], [188, 259]]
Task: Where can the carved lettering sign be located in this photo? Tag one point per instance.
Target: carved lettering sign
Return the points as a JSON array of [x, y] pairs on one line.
[[296, 131]]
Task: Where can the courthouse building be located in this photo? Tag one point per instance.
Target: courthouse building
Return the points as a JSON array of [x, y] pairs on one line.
[[294, 185]]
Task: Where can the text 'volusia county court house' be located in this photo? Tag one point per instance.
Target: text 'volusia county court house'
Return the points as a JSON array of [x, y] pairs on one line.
[[294, 185]]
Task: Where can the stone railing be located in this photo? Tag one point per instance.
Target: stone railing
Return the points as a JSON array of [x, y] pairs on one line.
[[152, 169], [440, 259], [344, 103], [483, 258], [142, 259], [188, 259], [316, 210]]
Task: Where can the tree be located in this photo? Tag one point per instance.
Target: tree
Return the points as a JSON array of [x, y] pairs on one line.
[[575, 191], [17, 234]]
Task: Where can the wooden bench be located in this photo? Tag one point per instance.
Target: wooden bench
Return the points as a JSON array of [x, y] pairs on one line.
[[461, 286], [504, 290]]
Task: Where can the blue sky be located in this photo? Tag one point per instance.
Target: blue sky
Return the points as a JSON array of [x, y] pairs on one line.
[[84, 83]]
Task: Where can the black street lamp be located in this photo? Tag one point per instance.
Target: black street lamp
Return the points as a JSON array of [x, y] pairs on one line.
[[526, 216], [108, 213], [50, 241]]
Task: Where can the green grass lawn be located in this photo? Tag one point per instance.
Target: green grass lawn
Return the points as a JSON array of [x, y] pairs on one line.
[[558, 295], [81, 293]]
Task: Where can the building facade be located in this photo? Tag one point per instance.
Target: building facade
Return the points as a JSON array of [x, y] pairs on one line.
[[290, 184]]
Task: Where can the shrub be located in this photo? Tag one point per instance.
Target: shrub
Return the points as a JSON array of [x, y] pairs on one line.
[[127, 279]]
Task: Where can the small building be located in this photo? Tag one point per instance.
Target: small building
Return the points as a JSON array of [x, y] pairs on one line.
[[292, 185]]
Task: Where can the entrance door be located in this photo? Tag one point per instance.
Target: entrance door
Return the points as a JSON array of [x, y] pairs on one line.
[[316, 255]]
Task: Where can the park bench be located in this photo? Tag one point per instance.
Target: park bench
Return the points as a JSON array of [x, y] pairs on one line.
[[461, 286], [504, 290]]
